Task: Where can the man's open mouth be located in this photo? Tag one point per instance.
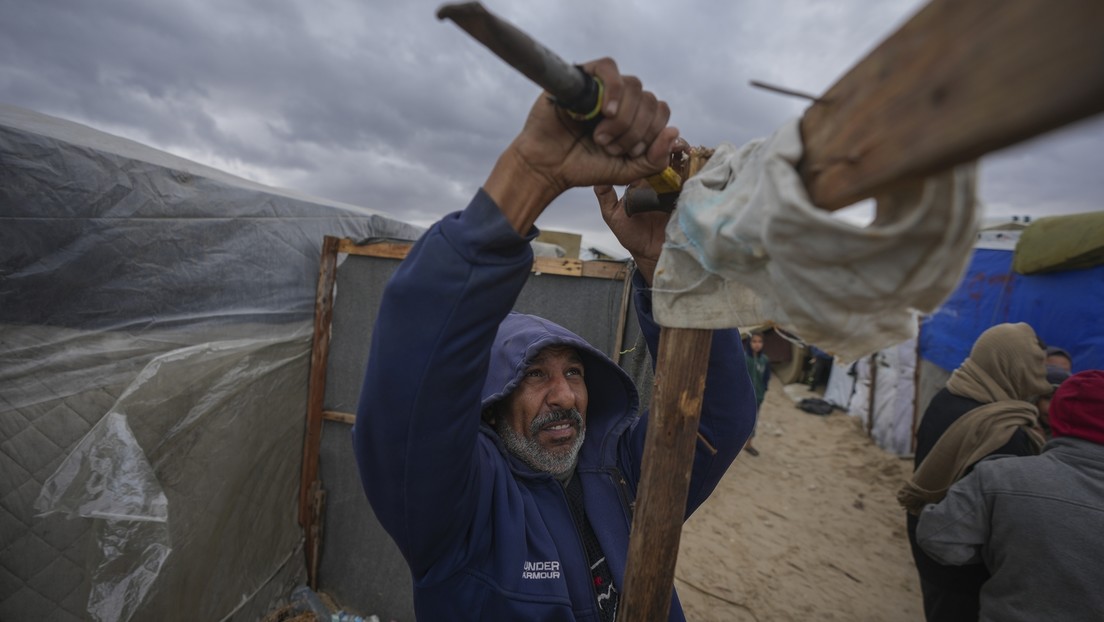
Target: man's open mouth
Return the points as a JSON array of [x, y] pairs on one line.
[[562, 426]]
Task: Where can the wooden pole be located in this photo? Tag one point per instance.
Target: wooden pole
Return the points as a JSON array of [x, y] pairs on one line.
[[681, 365], [916, 390], [957, 81], [873, 389], [665, 477], [310, 489]]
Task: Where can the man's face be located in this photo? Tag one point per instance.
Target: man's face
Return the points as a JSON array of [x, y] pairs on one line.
[[756, 343], [543, 421]]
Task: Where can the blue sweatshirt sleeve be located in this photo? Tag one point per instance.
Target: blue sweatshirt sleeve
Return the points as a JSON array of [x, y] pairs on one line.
[[728, 406], [415, 436]]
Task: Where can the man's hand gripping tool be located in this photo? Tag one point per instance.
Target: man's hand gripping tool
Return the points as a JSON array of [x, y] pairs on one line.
[[574, 90]]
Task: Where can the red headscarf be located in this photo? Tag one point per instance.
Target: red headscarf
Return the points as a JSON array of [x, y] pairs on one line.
[[1077, 408]]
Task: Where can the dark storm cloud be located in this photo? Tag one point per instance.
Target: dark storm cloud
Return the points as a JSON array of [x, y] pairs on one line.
[[377, 103]]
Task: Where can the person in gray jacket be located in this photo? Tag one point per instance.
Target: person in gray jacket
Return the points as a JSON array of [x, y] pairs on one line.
[[1034, 521]]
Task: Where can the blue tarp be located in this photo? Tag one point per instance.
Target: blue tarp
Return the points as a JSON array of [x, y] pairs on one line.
[[1066, 309]]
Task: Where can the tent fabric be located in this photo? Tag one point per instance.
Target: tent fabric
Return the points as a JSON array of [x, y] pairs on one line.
[[1062, 307], [746, 246], [1059, 243], [155, 324], [841, 385], [892, 371]]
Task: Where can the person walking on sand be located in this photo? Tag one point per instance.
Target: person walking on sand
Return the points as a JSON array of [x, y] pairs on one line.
[[987, 408], [1034, 521], [758, 366]]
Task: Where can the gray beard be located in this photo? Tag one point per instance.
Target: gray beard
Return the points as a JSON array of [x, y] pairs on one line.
[[530, 451]]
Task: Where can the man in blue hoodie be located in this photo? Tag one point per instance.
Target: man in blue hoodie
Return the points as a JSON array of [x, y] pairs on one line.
[[499, 450]]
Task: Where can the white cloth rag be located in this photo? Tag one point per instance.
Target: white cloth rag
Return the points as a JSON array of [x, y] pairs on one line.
[[747, 247]]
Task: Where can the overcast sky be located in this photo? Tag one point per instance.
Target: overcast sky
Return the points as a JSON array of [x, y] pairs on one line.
[[379, 104]]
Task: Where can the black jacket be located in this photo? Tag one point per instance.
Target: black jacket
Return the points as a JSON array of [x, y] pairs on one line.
[[951, 592]]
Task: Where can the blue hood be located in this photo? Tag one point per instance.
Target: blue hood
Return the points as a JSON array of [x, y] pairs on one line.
[[611, 394]]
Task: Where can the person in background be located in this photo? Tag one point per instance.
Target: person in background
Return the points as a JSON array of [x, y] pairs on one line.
[[821, 368], [1055, 376], [1034, 521], [758, 366], [986, 408], [1057, 357]]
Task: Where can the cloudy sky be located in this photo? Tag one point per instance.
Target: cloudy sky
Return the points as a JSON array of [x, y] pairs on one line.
[[379, 104]]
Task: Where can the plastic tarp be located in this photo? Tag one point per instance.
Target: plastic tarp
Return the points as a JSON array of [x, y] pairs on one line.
[[155, 328], [892, 371], [1061, 243], [841, 385], [1063, 307], [747, 246]]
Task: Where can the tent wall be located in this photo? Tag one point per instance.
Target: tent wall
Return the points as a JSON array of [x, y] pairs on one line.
[[359, 565], [154, 309], [1064, 308], [892, 372]]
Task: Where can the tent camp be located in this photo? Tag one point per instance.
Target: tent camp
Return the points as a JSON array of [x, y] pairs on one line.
[[1060, 299], [158, 320]]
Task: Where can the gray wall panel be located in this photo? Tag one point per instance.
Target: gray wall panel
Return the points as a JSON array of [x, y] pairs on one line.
[[360, 565]]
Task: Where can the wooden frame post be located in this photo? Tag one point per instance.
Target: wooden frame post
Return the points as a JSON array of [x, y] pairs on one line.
[[311, 495], [665, 477]]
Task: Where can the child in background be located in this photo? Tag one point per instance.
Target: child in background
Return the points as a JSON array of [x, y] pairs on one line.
[[759, 369]]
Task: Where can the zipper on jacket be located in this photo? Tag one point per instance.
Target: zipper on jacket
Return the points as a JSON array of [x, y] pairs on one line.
[[627, 506], [579, 542]]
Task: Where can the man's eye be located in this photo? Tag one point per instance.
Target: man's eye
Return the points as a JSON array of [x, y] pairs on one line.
[[574, 371], [533, 373]]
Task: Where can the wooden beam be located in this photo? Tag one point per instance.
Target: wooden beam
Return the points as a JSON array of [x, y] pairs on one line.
[[387, 250], [682, 363], [340, 417], [681, 366], [598, 269], [310, 492], [959, 80], [622, 320]]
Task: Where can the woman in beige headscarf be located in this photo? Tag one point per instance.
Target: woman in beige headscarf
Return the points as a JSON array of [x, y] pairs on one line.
[[987, 408]]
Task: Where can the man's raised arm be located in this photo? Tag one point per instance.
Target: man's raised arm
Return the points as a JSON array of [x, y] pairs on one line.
[[419, 411]]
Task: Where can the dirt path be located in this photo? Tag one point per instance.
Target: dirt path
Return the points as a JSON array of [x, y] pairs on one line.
[[809, 530]]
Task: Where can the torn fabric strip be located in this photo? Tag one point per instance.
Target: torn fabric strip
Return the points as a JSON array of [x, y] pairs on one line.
[[748, 247]]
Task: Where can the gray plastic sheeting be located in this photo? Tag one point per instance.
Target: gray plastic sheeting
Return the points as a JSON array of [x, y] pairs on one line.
[[155, 323]]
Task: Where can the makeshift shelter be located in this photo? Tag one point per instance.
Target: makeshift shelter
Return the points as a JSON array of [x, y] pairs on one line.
[[1061, 303], [155, 332], [351, 557], [156, 324]]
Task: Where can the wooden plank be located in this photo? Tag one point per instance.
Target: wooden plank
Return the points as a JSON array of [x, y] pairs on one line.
[[387, 250], [622, 320], [665, 474], [606, 269], [557, 265], [309, 487], [599, 269], [959, 80], [340, 417]]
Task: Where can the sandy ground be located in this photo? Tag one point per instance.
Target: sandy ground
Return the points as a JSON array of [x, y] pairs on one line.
[[808, 530]]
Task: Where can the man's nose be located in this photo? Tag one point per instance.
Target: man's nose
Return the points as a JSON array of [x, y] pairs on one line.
[[560, 393]]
